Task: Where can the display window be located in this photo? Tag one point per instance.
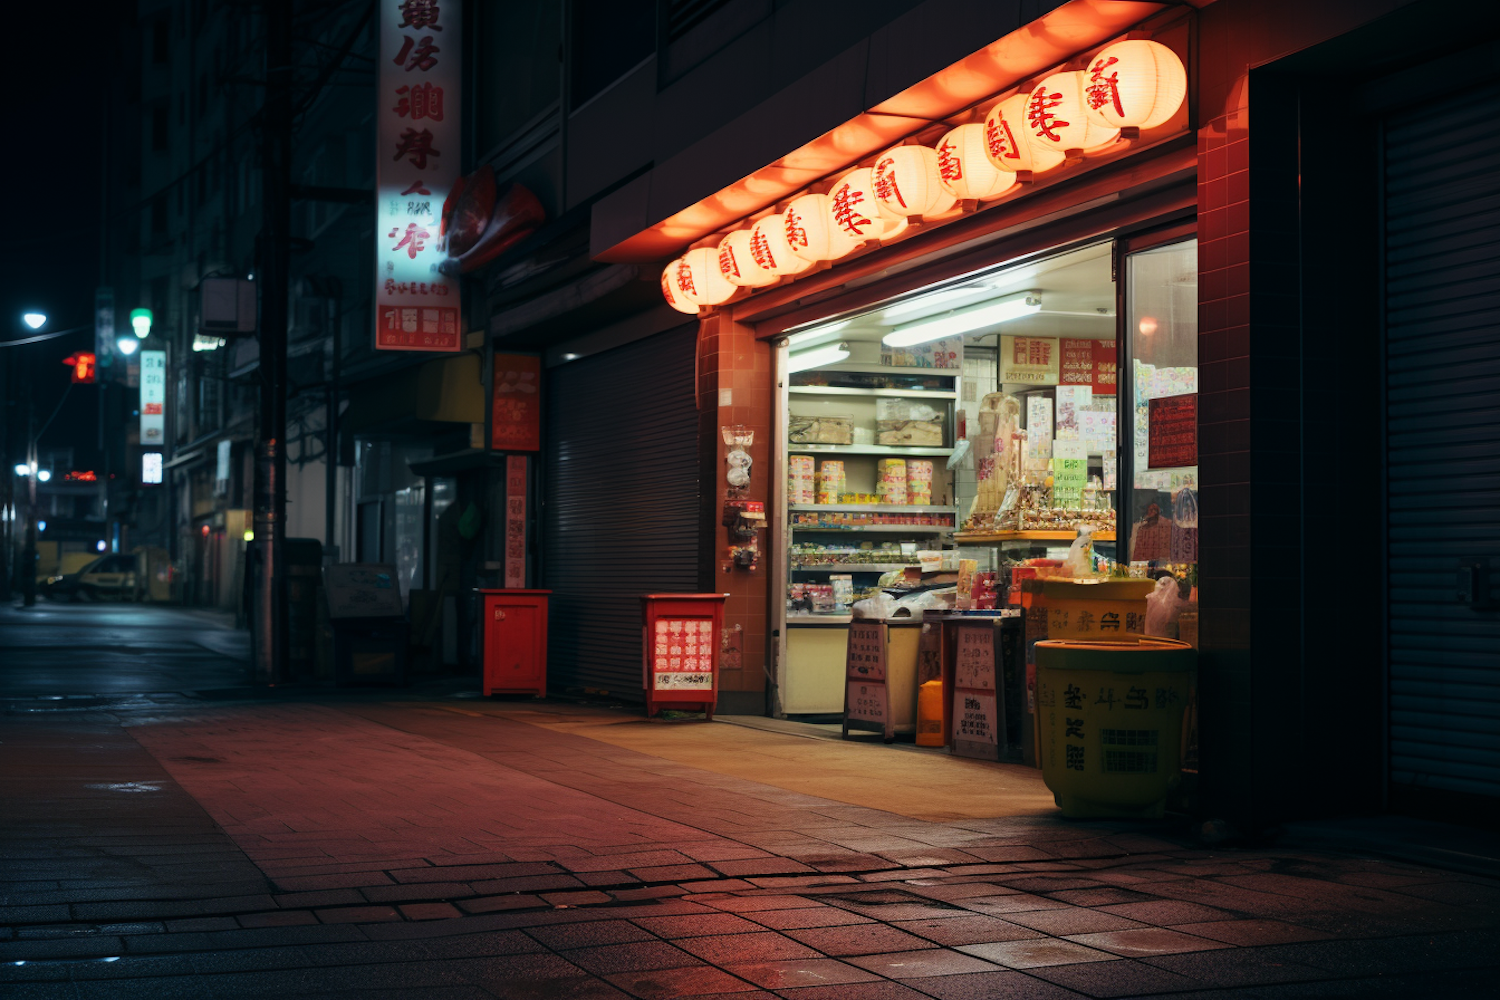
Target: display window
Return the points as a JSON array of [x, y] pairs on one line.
[[943, 447]]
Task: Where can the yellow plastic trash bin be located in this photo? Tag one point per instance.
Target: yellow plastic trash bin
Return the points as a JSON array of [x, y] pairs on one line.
[[1110, 719]]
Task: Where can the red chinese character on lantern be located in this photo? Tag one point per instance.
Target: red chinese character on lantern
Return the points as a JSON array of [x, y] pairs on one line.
[[1041, 116], [885, 182], [796, 229], [417, 187], [417, 146], [422, 101], [413, 239], [1000, 140], [685, 279], [950, 167], [420, 53], [420, 14], [1104, 89], [727, 264], [848, 218], [760, 250]]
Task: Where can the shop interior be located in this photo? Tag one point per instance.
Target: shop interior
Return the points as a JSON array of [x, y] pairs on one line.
[[947, 444]]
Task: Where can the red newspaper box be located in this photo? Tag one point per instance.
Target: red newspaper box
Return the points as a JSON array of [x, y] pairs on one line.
[[515, 642], [680, 650]]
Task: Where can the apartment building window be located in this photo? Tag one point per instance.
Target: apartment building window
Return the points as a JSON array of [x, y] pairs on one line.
[[609, 37], [161, 127], [161, 41], [517, 81]]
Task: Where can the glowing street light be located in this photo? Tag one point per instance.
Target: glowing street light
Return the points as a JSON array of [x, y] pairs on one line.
[[22, 469], [34, 320], [43, 475], [127, 344], [140, 322]]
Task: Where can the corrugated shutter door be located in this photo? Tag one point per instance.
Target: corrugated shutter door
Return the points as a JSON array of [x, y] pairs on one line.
[[1442, 200], [620, 514]]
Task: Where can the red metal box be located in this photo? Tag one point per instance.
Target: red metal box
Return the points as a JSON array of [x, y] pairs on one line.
[[680, 638], [515, 642]]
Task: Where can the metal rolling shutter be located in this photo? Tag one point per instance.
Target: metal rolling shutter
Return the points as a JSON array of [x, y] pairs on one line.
[[620, 514], [1442, 260]]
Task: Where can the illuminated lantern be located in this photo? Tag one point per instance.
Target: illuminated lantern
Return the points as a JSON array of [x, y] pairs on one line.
[[856, 213], [1057, 119], [1005, 139], [770, 251], [705, 284], [907, 183], [810, 232], [1134, 84], [736, 265], [965, 171], [669, 290]]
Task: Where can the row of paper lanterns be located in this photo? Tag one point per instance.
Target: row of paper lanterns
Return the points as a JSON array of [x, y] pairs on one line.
[[1131, 84]]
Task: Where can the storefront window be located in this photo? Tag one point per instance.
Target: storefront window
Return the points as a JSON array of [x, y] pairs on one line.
[[1162, 297]]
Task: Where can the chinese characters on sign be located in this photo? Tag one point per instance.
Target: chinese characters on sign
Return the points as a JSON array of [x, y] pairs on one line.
[[1173, 430], [416, 307], [975, 706], [515, 521], [1029, 360], [153, 397], [866, 698], [1088, 362], [516, 420], [682, 654]]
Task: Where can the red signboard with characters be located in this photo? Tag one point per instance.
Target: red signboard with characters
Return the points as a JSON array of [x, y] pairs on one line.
[[516, 421], [1088, 362], [681, 634], [1172, 425]]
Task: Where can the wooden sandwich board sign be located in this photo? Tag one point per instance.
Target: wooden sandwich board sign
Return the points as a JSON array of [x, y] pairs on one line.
[[978, 722], [867, 700]]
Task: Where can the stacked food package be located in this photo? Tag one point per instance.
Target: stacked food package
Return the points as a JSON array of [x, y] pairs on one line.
[[908, 422], [801, 479], [830, 480], [919, 481], [890, 480]]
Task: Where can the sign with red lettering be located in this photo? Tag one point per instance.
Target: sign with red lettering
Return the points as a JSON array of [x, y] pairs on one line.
[[419, 136], [515, 521], [1088, 362], [1172, 432], [682, 654], [516, 420]]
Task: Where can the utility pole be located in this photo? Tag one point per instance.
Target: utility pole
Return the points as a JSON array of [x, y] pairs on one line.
[[28, 554], [269, 613]]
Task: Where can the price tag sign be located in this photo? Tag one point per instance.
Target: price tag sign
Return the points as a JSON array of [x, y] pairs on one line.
[[867, 702], [976, 710]]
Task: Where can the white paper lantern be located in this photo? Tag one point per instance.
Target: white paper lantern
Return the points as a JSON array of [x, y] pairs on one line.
[[1005, 139], [736, 265], [769, 250], [855, 211], [1057, 117], [964, 169], [1137, 83], [907, 183], [705, 284], [810, 232], [670, 292]]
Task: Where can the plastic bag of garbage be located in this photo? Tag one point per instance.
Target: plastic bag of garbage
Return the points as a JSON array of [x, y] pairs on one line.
[[936, 600], [879, 606], [1163, 605]]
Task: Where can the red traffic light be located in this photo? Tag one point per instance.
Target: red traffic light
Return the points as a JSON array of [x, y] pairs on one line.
[[82, 364]]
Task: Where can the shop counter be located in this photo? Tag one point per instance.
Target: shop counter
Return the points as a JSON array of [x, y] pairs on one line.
[[813, 681]]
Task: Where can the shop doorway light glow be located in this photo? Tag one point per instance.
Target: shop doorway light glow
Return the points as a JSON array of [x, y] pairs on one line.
[[816, 357], [966, 320]]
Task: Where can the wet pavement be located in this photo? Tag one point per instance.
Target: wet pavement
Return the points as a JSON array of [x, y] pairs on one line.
[[168, 831]]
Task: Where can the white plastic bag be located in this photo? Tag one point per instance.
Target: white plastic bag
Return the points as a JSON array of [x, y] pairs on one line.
[[1163, 605], [879, 606], [1080, 561]]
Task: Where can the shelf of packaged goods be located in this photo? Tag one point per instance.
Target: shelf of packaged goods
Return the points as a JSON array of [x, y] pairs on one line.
[[991, 537], [874, 508], [832, 390], [909, 529], [794, 448], [854, 567]]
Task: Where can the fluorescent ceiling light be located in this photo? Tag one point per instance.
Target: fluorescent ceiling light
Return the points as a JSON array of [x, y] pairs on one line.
[[828, 354], [822, 330], [965, 320], [929, 300]]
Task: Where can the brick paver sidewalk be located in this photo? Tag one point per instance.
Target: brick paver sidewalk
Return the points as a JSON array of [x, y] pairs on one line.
[[405, 850]]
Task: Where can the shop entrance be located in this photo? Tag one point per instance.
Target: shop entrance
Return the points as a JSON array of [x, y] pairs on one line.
[[934, 443]]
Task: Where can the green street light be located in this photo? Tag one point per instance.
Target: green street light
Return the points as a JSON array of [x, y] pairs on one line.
[[140, 322]]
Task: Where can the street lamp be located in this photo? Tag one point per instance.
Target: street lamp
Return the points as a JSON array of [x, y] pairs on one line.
[[140, 322], [35, 320], [127, 344]]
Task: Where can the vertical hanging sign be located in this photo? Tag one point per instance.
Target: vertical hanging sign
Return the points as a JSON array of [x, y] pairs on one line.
[[515, 521], [417, 163], [153, 398], [516, 420]]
